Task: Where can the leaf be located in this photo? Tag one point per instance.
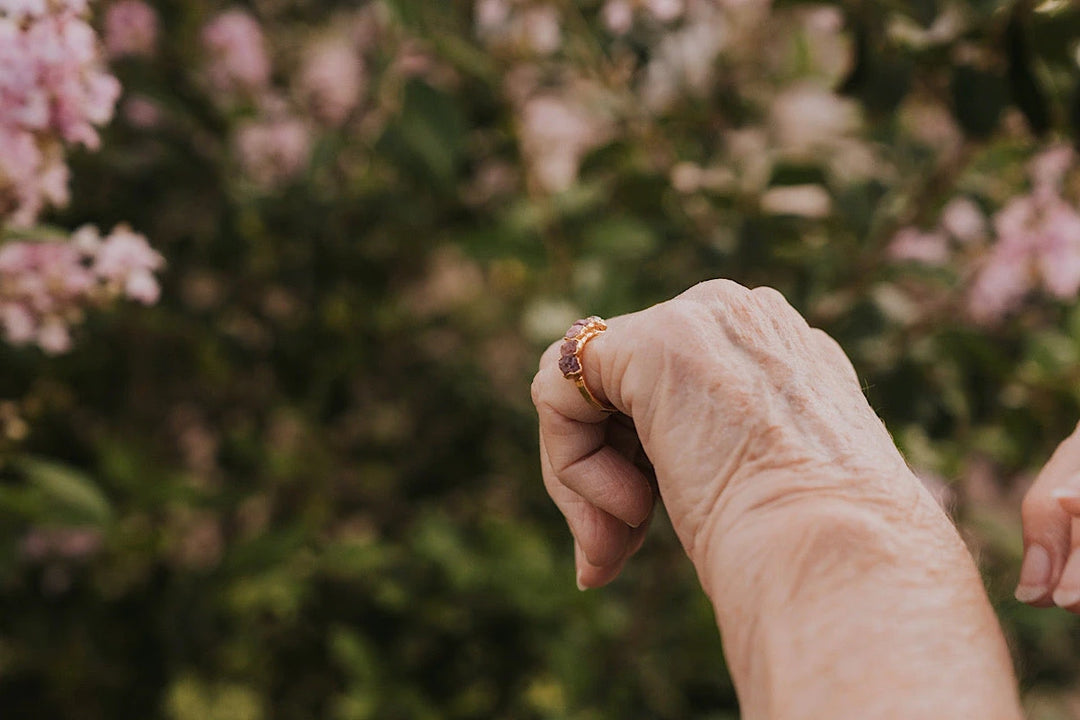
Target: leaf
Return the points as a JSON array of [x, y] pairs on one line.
[[429, 134], [1023, 84], [620, 236], [979, 98], [66, 489]]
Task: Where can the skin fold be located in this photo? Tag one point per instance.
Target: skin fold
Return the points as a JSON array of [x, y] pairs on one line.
[[840, 588]]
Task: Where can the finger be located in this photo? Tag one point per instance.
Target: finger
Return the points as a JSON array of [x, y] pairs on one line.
[[601, 537], [550, 387], [583, 462], [622, 435], [594, 576], [1048, 530], [1067, 591], [574, 434]]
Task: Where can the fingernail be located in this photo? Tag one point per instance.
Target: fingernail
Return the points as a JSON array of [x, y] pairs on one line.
[[1070, 493], [1034, 575], [1066, 597], [580, 585], [1067, 593]]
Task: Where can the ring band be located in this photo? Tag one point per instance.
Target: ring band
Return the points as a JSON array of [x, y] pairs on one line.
[[581, 332]]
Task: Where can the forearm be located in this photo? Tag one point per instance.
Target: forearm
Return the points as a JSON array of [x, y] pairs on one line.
[[833, 608]]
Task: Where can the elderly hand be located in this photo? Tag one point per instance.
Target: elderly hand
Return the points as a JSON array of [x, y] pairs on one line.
[[740, 406], [840, 587]]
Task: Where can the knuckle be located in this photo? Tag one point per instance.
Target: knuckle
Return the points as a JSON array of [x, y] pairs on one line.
[[770, 296], [712, 291], [536, 389]]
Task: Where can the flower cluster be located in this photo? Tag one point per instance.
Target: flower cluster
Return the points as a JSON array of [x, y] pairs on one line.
[[274, 150], [131, 28], [54, 91], [782, 63], [236, 48], [1037, 242], [274, 145], [45, 287]]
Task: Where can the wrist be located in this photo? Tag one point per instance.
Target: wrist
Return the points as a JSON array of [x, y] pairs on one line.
[[870, 590], [779, 506]]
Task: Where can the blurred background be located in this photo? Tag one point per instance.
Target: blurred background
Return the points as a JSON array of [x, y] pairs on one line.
[[266, 446]]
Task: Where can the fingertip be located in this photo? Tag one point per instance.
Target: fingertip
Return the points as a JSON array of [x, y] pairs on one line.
[[590, 576], [602, 538], [1067, 593], [641, 509], [579, 565], [1035, 575]]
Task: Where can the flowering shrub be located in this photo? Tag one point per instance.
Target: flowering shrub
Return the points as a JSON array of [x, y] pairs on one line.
[[54, 94], [303, 484]]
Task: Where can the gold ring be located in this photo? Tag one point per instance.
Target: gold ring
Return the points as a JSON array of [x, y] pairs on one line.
[[581, 332]]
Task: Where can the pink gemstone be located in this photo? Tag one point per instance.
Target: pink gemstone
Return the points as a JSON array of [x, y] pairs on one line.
[[569, 364], [568, 348]]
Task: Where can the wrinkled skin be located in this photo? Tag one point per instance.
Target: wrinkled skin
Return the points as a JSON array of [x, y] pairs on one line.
[[727, 388], [840, 588]]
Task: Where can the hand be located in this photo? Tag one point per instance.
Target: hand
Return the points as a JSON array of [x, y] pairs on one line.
[[1050, 573], [740, 406], [838, 584]]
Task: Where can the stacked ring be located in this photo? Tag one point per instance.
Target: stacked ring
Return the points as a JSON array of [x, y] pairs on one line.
[[581, 332]]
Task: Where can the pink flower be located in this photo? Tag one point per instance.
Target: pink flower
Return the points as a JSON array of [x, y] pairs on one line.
[[45, 286], [143, 287], [490, 15], [22, 9], [20, 170], [1048, 168], [72, 543], [131, 28], [556, 133], [272, 152], [331, 79], [1059, 251], [618, 16], [142, 112], [238, 59], [123, 255], [54, 337], [18, 324], [665, 10], [806, 120], [125, 260], [685, 60], [963, 219], [540, 29], [531, 27], [1038, 243], [1000, 284], [929, 248], [53, 90]]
